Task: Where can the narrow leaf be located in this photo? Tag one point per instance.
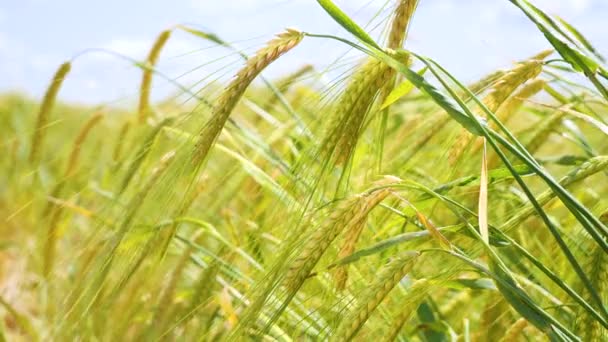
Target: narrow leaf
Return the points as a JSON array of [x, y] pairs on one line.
[[483, 197], [400, 91], [345, 21]]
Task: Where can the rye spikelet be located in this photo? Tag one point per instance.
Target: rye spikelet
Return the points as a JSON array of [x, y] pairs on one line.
[[146, 80], [351, 213], [500, 91], [48, 102], [233, 92], [388, 277], [84, 132]]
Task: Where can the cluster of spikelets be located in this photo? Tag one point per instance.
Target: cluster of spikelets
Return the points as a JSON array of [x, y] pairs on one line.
[[277, 212]]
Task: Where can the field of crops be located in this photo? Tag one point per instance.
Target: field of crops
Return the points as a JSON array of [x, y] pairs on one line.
[[394, 203]]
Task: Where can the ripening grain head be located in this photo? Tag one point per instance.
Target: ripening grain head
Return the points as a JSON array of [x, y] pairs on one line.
[[232, 93], [46, 107], [146, 81]]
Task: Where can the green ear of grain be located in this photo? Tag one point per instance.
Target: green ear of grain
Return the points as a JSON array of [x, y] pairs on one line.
[[388, 277]]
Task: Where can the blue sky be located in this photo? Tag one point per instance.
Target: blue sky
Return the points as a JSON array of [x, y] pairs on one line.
[[469, 37]]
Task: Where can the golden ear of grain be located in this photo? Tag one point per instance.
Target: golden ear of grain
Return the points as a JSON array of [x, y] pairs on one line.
[[401, 20], [84, 132], [348, 247], [514, 332], [48, 102], [435, 233], [514, 103], [234, 91], [500, 91], [507, 84], [146, 80], [388, 277], [353, 106], [508, 110], [350, 214]]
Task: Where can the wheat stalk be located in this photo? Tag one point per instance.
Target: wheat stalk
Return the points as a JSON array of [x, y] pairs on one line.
[[351, 213], [399, 27], [353, 106], [379, 76], [48, 102], [402, 16], [146, 80], [348, 247], [82, 135], [234, 91], [500, 91], [514, 103], [388, 277]]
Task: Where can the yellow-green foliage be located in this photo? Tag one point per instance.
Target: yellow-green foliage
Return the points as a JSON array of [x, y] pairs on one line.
[[110, 232]]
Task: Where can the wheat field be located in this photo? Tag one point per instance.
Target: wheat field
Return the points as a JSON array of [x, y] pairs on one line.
[[392, 203]]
